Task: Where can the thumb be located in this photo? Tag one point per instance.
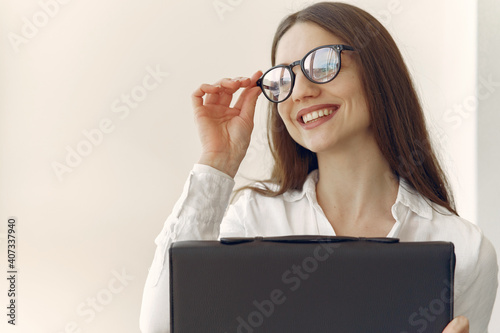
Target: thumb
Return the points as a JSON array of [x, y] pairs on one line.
[[458, 325], [248, 100]]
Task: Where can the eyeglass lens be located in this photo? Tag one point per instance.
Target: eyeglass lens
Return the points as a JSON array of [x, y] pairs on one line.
[[320, 66], [277, 83]]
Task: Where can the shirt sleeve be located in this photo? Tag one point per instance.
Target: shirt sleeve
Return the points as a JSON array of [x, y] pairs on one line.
[[477, 300], [196, 216]]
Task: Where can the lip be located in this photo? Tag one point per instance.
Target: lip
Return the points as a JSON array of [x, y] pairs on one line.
[[319, 121]]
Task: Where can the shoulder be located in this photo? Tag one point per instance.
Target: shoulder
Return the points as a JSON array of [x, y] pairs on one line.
[[447, 225], [476, 259], [423, 220], [476, 271], [468, 238]]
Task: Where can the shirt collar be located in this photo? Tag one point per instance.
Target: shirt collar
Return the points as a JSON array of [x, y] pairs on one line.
[[309, 189], [407, 197]]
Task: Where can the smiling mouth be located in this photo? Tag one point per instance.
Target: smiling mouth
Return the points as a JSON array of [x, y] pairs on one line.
[[316, 115]]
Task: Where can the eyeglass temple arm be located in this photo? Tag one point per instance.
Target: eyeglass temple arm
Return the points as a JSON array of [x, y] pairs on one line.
[[346, 47]]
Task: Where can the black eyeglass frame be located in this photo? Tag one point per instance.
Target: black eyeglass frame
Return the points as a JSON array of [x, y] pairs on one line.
[[337, 47]]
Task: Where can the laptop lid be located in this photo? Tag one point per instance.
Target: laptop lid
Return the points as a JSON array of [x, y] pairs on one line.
[[311, 284]]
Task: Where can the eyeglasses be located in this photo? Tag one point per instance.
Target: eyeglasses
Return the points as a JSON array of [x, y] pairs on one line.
[[320, 65]]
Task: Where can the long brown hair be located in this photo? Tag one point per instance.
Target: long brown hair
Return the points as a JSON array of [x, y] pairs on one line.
[[396, 114]]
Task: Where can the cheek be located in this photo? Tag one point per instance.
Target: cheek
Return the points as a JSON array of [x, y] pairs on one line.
[[282, 112], [284, 115], [353, 91], [362, 111]]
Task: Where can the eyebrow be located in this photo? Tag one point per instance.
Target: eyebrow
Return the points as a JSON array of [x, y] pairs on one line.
[[288, 64]]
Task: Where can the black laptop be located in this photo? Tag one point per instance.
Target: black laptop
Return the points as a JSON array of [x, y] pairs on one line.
[[311, 284]]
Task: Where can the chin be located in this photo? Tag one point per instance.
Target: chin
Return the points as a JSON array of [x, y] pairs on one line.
[[317, 148]]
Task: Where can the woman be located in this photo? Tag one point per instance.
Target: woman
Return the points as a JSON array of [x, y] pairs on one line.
[[352, 158]]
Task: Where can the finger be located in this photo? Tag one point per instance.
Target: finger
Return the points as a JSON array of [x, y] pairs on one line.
[[252, 89], [222, 91], [248, 102], [245, 81], [214, 91], [235, 83], [230, 87], [255, 77], [214, 98], [198, 94], [458, 325]]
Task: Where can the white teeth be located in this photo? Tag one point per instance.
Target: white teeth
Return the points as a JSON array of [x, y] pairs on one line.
[[316, 114]]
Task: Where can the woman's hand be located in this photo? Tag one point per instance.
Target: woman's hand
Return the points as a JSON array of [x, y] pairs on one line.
[[458, 325], [224, 130]]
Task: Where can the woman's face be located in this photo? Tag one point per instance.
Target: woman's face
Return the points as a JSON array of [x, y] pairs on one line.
[[347, 128]]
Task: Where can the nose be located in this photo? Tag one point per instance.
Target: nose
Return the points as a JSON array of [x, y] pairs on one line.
[[303, 88]]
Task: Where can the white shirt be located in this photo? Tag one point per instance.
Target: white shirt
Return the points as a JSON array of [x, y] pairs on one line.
[[200, 214]]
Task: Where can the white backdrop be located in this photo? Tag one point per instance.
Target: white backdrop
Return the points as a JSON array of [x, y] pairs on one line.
[[97, 133]]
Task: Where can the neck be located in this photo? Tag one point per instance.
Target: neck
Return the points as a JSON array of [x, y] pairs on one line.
[[356, 189]]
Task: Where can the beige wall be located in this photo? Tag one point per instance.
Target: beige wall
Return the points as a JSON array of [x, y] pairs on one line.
[[111, 82], [488, 122]]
